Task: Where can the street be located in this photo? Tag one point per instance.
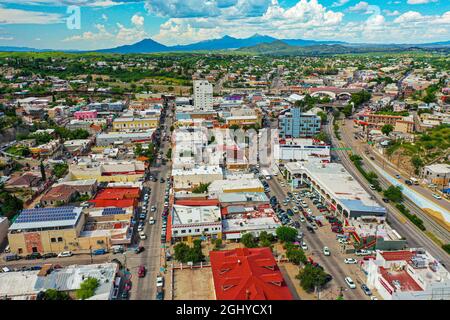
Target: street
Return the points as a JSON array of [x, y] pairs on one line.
[[415, 238]]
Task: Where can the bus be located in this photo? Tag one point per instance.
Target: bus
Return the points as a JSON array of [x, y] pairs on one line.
[[414, 181]]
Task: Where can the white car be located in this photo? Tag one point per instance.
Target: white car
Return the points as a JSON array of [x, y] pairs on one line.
[[151, 220], [350, 261], [153, 209], [304, 246], [350, 283], [142, 235], [302, 219], [309, 210], [159, 281], [436, 196], [326, 251], [295, 209], [372, 187], [140, 228], [373, 298], [65, 254]]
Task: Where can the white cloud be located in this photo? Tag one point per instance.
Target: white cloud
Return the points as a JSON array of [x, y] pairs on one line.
[[410, 16], [137, 20], [391, 13], [104, 17], [128, 35], [339, 3], [18, 16], [420, 1], [101, 34], [359, 7], [3, 38]]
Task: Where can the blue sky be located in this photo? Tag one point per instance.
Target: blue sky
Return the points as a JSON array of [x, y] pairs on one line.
[[108, 23]]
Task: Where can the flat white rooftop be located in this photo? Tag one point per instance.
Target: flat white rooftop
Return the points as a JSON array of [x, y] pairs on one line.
[[198, 170], [183, 215]]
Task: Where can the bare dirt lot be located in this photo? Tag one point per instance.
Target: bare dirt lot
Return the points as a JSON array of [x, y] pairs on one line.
[[193, 284]]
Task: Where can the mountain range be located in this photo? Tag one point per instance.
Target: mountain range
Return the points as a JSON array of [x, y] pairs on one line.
[[256, 43]]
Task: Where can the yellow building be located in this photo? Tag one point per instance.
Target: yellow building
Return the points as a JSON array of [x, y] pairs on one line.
[[134, 124], [53, 230], [46, 230]]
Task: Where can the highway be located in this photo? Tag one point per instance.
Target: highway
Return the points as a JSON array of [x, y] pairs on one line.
[[414, 236], [429, 222]]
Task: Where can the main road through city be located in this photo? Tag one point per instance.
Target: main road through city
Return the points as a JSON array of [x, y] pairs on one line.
[[414, 237]]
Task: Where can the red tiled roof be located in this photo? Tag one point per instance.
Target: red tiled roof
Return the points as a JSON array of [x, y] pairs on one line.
[[247, 274], [404, 255], [118, 194], [198, 202], [121, 203]]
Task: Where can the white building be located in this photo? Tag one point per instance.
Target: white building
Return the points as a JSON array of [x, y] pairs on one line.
[[189, 221], [302, 150], [203, 95], [189, 178], [408, 275]]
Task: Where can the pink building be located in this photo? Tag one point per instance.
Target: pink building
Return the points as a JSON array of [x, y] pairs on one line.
[[83, 115]]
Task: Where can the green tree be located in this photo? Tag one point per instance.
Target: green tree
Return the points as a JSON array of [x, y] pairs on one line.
[[218, 244], [248, 241], [181, 252], [296, 256], [417, 162], [87, 288], [43, 175], [311, 277], [60, 169], [286, 234], [52, 294], [322, 136], [202, 188], [234, 127], [387, 129], [323, 116], [394, 193]]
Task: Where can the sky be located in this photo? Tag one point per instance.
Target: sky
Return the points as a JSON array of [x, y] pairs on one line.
[[98, 24]]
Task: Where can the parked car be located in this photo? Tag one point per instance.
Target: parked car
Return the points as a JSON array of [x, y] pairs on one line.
[[304, 246], [366, 290], [11, 257], [142, 235], [159, 281], [65, 254], [141, 271], [302, 219], [159, 293], [350, 283], [139, 249], [350, 261], [372, 187], [326, 251], [99, 252], [397, 176], [153, 209], [49, 255]]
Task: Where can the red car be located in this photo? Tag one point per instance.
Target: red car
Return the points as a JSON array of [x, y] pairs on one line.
[[141, 271]]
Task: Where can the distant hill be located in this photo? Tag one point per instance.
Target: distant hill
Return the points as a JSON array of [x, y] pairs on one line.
[[282, 48], [143, 46], [257, 43]]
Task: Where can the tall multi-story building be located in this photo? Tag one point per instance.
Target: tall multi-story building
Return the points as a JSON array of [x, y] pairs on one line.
[[295, 124], [203, 95]]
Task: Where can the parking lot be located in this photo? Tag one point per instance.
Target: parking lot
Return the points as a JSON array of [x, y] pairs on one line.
[[318, 238]]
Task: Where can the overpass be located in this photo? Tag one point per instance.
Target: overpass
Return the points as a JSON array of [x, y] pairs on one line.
[[332, 92]]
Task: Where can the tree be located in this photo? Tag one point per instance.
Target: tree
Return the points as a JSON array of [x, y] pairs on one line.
[[417, 163], [60, 169], [286, 234], [323, 116], [181, 252], [265, 239], [52, 294], [312, 277], [296, 256], [43, 175], [218, 244], [347, 110], [87, 288], [387, 129], [248, 241], [234, 127], [394, 193], [202, 188], [322, 136]]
